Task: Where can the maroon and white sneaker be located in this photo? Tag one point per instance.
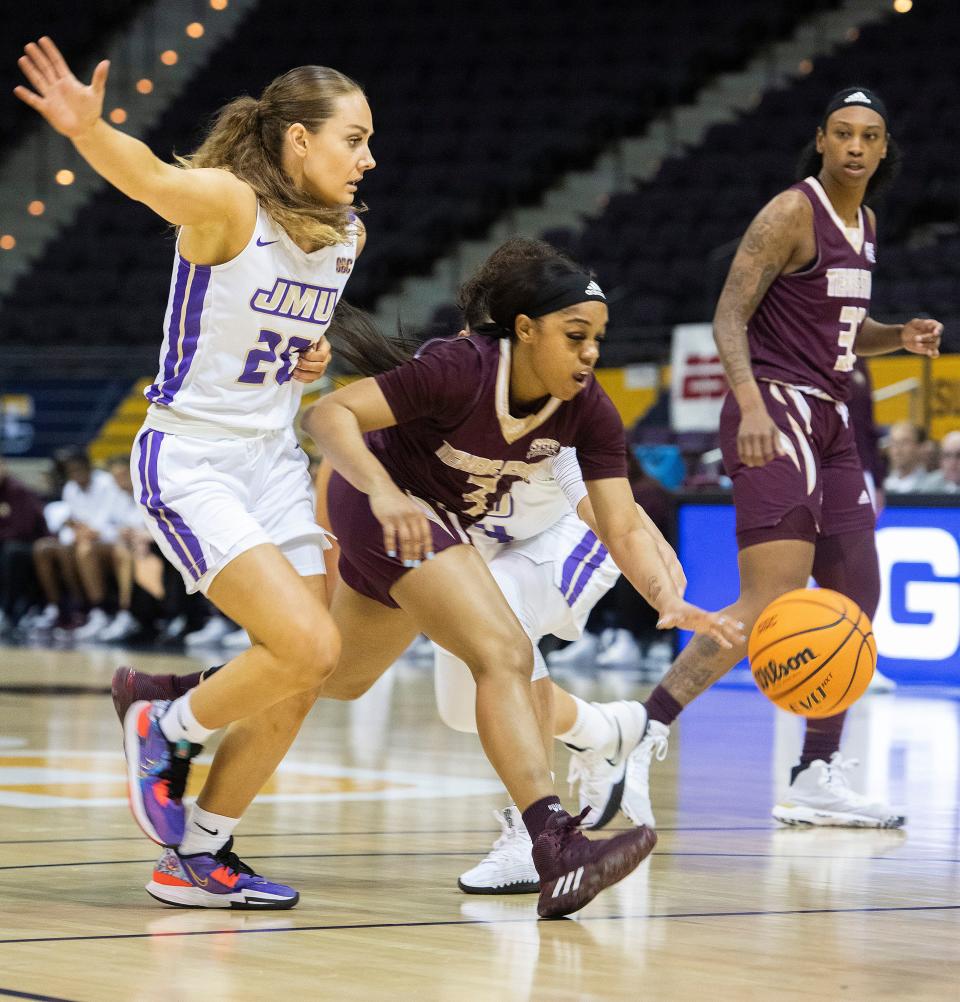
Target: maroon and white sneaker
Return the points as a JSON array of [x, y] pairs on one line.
[[574, 870]]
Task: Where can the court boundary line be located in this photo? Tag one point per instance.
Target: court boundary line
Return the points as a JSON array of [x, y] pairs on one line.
[[411, 831], [12, 993], [473, 852], [436, 923]]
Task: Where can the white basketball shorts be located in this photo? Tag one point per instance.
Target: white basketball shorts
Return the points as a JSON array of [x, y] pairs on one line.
[[208, 499], [551, 582]]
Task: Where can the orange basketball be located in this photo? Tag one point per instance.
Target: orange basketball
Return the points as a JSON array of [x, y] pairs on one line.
[[812, 652]]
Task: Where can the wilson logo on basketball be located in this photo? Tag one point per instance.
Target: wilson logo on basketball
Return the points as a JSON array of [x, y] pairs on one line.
[[772, 672]]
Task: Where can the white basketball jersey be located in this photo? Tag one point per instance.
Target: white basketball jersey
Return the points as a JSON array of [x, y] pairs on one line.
[[233, 331], [528, 509]]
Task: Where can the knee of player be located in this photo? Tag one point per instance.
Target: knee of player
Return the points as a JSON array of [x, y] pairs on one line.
[[513, 656], [312, 654]]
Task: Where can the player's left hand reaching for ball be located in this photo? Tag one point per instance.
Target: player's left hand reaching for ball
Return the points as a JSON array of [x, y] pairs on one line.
[[312, 362], [719, 626], [922, 337]]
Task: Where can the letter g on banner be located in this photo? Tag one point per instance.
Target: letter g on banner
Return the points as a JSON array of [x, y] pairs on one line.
[[918, 618]]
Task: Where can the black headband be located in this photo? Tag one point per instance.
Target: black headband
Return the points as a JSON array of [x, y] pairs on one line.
[[853, 96], [563, 291]]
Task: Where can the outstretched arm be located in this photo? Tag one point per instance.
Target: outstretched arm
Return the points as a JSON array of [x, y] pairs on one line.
[[183, 197], [633, 550], [772, 242]]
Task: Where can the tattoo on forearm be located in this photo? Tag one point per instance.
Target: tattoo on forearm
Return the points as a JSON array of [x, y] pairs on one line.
[[763, 253], [697, 667]]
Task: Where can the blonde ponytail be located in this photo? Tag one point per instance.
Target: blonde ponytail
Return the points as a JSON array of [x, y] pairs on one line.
[[247, 138]]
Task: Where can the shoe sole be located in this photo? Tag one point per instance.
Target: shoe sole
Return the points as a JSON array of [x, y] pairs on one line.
[[194, 897], [570, 892], [131, 748], [807, 817], [519, 887]]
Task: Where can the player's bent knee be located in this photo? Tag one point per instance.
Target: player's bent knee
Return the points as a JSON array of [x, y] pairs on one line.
[[514, 659], [309, 656]]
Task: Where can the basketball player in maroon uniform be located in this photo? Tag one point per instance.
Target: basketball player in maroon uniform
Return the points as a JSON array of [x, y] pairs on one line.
[[790, 321], [428, 448]]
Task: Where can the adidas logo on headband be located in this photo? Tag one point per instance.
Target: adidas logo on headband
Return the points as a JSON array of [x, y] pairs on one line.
[[594, 290], [859, 96]]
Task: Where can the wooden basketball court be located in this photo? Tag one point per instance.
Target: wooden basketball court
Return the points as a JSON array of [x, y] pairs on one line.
[[379, 808]]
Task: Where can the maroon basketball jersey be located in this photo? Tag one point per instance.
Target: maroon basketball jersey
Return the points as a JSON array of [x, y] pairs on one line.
[[456, 442], [804, 329]]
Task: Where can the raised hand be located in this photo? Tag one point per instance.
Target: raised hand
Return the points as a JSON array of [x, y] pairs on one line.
[[922, 337], [72, 108], [724, 629]]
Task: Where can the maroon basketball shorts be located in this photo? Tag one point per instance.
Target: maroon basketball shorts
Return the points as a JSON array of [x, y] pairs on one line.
[[364, 563], [820, 471]]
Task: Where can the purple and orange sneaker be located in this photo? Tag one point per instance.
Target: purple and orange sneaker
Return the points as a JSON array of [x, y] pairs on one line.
[[574, 870], [221, 880], [157, 772], [128, 686]]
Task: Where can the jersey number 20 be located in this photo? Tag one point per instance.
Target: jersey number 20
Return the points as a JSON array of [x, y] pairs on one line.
[[257, 357]]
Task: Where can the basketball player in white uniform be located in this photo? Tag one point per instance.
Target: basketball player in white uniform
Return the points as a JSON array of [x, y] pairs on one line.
[[267, 240]]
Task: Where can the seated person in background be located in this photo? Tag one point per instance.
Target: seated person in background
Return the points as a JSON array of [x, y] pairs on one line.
[[54, 560], [930, 455], [947, 479], [907, 471], [82, 549], [21, 524], [123, 524]]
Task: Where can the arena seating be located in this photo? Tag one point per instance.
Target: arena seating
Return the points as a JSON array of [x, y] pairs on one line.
[[474, 113], [82, 36]]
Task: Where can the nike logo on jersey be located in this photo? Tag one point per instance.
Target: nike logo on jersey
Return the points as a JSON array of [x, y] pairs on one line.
[[266, 243]]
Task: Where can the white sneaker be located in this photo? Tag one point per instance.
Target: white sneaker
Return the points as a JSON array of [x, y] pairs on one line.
[[601, 779], [581, 651], [881, 683], [238, 640], [622, 651], [123, 626], [44, 620], [212, 632], [97, 622], [636, 791], [173, 630], [820, 795], [508, 868]]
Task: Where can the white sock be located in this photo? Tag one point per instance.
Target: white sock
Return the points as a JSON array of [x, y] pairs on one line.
[[591, 730], [179, 723], [206, 832]]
